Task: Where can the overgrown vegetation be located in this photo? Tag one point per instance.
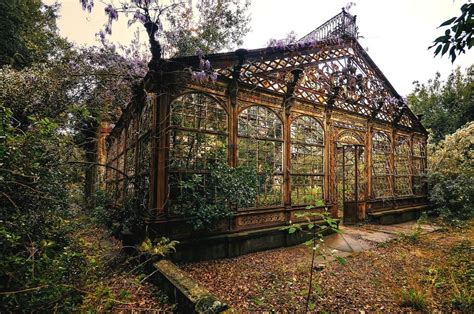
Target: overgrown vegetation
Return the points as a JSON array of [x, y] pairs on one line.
[[55, 258], [53, 97], [444, 106], [208, 198], [452, 176], [317, 224], [414, 298], [28, 33], [40, 259]]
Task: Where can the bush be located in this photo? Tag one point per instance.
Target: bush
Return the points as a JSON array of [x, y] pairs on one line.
[[39, 260], [451, 176], [125, 219], [207, 198]]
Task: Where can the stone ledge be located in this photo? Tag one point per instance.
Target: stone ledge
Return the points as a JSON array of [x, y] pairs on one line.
[[399, 210], [238, 243], [182, 289]]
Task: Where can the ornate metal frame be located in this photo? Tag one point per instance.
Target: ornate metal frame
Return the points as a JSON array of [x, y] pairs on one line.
[[326, 76]]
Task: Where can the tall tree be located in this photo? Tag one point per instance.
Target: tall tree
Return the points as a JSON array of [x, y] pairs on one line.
[[447, 105], [178, 27], [78, 91], [28, 32]]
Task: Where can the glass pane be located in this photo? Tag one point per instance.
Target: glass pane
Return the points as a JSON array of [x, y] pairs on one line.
[[145, 117], [381, 166], [267, 156], [381, 187], [259, 122], [192, 150], [402, 154], [306, 190], [402, 186], [307, 159], [269, 190], [260, 145], [418, 185], [307, 130], [198, 111], [198, 138], [418, 148]]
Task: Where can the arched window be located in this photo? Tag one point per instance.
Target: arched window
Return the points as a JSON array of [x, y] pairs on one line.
[[402, 167], [381, 167], [260, 144], [307, 161], [198, 137], [419, 167]]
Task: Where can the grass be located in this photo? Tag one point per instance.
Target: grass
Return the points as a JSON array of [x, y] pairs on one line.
[[414, 298]]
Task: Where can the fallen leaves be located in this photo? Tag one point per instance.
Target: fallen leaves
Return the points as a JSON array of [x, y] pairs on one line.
[[369, 281]]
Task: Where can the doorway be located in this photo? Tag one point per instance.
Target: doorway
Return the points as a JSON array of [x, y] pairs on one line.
[[350, 183]]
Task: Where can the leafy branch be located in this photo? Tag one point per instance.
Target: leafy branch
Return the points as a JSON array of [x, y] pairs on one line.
[[458, 37]]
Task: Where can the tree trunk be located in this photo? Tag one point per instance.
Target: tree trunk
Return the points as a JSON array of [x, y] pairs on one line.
[[90, 171]]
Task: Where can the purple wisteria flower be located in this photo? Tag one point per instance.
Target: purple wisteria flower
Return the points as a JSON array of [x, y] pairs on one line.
[[138, 16], [87, 5]]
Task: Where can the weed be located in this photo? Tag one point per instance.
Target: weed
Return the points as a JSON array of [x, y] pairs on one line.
[[257, 301], [463, 300], [414, 235], [414, 298]]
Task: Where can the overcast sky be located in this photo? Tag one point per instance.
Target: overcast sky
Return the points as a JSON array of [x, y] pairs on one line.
[[397, 33]]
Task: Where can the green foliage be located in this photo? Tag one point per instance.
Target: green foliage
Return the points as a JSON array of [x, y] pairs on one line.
[[461, 276], [458, 36], [414, 235], [28, 32], [414, 298], [318, 231], [207, 198], [182, 27], [125, 219], [221, 25], [160, 247], [445, 106], [452, 176], [39, 259]]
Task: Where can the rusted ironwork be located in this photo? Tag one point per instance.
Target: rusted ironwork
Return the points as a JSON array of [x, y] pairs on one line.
[[341, 25], [303, 114]]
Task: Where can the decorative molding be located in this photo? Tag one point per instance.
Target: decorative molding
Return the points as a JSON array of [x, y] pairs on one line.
[[260, 219]]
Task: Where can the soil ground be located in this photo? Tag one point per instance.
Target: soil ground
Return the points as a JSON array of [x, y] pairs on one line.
[[115, 283], [396, 269]]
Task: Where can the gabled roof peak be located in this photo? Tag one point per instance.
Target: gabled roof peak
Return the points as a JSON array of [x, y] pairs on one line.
[[341, 25]]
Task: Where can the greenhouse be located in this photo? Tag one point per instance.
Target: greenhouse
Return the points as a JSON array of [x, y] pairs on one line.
[[317, 121]]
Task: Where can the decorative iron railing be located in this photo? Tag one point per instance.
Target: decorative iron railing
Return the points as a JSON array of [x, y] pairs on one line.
[[340, 26]]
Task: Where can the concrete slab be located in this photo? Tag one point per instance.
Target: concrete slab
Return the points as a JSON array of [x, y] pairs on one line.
[[366, 234], [337, 242], [396, 229], [346, 243], [360, 238]]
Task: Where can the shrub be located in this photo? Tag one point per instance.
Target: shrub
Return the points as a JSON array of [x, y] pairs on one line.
[[209, 197], [125, 219], [39, 260], [452, 175]]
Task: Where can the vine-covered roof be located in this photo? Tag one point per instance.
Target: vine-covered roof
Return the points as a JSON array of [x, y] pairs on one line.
[[327, 67]]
